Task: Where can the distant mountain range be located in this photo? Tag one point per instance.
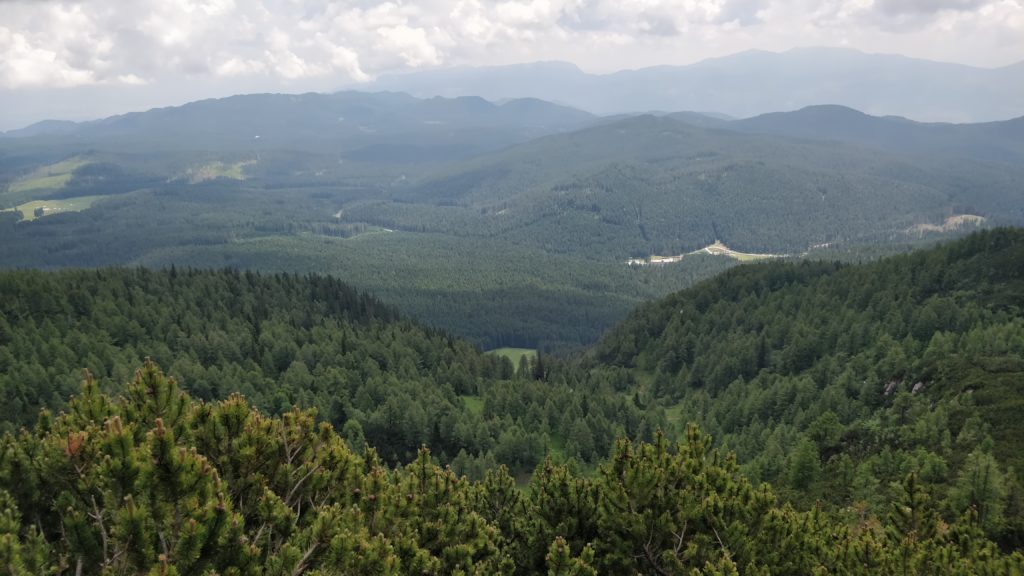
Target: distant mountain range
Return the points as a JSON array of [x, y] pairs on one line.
[[377, 125], [748, 84], [997, 141]]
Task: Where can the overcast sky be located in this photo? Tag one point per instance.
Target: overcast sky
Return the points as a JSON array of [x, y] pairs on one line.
[[87, 59]]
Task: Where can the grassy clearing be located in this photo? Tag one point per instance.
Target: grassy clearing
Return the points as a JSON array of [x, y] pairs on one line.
[[514, 354], [674, 415], [951, 224], [371, 231], [49, 207], [748, 257], [49, 177], [474, 404], [719, 249], [716, 249], [218, 169]]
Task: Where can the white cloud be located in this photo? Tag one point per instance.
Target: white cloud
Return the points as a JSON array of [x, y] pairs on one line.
[[131, 80], [239, 67], [411, 44], [67, 43], [24, 63]]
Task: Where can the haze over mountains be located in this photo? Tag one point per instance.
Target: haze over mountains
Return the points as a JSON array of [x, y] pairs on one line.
[[390, 125], [346, 121], [877, 84]]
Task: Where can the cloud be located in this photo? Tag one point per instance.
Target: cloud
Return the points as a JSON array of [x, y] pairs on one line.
[[67, 43], [903, 16], [240, 67], [131, 80], [742, 12]]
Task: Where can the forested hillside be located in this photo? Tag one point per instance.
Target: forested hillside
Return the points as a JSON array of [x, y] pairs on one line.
[[156, 483], [656, 185], [993, 141], [311, 341], [835, 381], [488, 290]]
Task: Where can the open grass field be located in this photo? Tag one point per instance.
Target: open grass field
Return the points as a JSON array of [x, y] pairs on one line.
[[50, 207], [716, 249], [514, 354], [219, 169], [49, 177], [719, 249], [674, 415], [474, 404]]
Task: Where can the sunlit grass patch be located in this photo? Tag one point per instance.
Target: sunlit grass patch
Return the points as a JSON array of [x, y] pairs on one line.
[[39, 208]]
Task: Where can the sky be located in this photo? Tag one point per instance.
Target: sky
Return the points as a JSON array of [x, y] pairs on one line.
[[88, 59]]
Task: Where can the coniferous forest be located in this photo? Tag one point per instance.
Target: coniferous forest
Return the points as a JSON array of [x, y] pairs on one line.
[[285, 340], [846, 419], [157, 483]]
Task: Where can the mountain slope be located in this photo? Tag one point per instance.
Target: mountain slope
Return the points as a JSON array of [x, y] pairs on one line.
[[997, 141], [655, 185], [875, 83], [837, 380]]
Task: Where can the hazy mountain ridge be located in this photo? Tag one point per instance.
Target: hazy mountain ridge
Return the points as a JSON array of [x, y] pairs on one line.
[[1001, 141], [314, 121], [875, 83]]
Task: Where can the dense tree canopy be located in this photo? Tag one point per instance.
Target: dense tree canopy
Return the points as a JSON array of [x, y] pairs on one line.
[[156, 483], [311, 341], [835, 381], [881, 401]]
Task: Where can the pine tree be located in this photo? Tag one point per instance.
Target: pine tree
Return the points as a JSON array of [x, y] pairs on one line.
[[980, 486], [561, 562]]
